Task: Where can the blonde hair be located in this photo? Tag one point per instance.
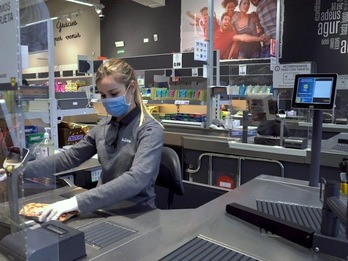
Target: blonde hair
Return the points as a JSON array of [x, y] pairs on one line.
[[123, 73]]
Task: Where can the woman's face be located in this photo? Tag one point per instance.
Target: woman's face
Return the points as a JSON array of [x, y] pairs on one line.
[[230, 9], [109, 88], [244, 6]]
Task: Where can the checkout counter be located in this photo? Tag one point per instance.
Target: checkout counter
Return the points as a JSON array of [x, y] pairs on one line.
[[126, 232], [241, 161]]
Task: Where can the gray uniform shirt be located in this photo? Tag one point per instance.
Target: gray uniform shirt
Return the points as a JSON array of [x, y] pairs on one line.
[[129, 155]]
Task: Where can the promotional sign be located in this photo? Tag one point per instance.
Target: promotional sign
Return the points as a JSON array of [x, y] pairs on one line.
[[201, 50], [284, 74], [251, 41], [9, 44], [318, 32]]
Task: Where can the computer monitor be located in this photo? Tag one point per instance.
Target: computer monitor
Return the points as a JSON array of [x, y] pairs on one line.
[[262, 105], [83, 66], [88, 66], [314, 91], [96, 65]]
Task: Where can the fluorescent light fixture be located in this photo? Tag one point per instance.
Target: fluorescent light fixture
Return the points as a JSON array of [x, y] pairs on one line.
[[41, 21], [81, 2]]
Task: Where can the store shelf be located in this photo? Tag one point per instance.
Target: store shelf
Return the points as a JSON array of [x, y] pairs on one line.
[[176, 102], [44, 115], [60, 78], [183, 123]]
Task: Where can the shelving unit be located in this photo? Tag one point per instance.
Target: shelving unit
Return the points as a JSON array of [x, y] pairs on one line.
[[45, 117], [86, 77], [52, 115]]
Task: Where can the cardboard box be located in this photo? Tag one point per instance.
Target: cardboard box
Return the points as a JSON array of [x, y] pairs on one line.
[[69, 136]]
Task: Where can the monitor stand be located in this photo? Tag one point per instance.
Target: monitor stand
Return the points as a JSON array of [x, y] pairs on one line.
[[316, 148]]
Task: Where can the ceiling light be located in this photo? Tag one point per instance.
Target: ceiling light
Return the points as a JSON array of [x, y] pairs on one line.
[[81, 2], [98, 10]]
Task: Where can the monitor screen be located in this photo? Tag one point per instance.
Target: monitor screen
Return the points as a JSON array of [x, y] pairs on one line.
[[314, 91], [83, 66], [262, 105], [96, 65]]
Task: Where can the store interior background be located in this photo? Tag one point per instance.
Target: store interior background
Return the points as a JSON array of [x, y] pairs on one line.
[[131, 22]]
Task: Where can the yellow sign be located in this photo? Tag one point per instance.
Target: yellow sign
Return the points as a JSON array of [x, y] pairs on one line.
[[13, 81]]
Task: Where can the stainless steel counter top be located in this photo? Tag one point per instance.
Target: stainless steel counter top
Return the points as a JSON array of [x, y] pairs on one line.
[[211, 222]]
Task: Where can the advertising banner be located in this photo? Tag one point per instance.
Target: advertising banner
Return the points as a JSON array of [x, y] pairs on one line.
[[243, 29], [318, 32], [9, 44]]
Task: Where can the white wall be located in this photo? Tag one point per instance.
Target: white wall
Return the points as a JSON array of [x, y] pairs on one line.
[[86, 29]]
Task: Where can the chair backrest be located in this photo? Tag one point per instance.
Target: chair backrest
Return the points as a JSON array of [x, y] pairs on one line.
[[170, 175]]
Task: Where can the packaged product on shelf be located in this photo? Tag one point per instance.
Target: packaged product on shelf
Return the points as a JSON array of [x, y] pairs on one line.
[[46, 146], [32, 138], [70, 133]]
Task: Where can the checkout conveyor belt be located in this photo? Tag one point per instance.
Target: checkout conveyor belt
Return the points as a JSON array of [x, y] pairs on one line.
[[161, 234]]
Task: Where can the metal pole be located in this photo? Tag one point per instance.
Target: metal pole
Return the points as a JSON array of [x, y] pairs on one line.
[[316, 148], [210, 62], [51, 93]]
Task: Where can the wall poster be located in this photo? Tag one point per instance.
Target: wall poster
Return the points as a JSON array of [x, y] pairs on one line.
[[243, 29], [318, 33]]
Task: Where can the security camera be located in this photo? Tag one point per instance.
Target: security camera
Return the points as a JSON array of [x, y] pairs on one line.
[[101, 16]]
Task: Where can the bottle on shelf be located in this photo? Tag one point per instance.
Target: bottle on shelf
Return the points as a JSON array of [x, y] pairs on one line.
[[47, 144], [232, 124]]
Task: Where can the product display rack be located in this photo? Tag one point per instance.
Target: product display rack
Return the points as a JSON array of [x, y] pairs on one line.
[[53, 115]]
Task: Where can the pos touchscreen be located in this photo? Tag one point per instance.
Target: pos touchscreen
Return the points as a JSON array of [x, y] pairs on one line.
[[314, 91]]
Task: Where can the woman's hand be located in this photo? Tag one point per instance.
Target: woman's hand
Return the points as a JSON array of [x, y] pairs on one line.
[[53, 211]]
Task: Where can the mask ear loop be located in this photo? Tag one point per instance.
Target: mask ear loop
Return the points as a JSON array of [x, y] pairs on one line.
[[131, 96]]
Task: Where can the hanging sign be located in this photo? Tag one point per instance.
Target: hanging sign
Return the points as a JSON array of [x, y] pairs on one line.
[[284, 74], [200, 50], [9, 44]]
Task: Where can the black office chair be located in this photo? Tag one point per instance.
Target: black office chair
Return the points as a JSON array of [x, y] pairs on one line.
[[169, 175]]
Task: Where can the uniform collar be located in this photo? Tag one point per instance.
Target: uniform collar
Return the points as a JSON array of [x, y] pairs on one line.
[[128, 118]]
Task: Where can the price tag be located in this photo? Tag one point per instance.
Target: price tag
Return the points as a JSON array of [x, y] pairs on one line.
[[177, 60], [181, 102], [242, 69], [95, 175]]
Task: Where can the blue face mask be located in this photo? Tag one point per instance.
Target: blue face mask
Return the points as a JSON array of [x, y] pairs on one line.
[[116, 106]]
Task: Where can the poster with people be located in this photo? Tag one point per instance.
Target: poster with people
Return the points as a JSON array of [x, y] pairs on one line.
[[243, 29]]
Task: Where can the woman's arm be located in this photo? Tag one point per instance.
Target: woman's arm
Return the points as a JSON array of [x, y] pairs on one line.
[[247, 38], [234, 50], [64, 160]]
